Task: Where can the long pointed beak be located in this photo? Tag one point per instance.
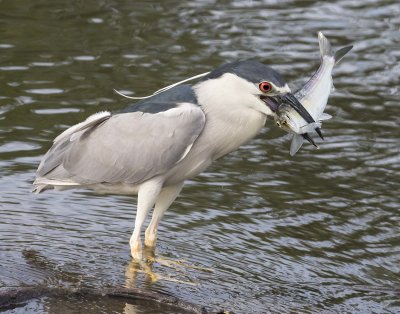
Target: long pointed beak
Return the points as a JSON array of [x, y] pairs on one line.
[[309, 138], [293, 102], [296, 105]]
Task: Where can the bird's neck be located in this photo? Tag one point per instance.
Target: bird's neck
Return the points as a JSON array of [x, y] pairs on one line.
[[229, 124]]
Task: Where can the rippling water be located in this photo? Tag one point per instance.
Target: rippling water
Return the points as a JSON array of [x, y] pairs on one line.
[[261, 231]]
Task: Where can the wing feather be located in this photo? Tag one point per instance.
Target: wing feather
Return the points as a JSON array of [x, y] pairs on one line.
[[126, 148], [56, 153]]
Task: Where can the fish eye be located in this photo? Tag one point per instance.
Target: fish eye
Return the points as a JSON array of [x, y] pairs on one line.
[[265, 87]]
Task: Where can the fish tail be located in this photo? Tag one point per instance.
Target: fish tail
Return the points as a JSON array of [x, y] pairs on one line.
[[324, 46], [326, 49], [341, 53]]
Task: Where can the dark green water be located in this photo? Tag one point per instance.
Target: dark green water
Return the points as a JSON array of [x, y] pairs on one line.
[[314, 233]]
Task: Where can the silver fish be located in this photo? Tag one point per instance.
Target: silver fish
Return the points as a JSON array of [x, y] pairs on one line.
[[313, 96]]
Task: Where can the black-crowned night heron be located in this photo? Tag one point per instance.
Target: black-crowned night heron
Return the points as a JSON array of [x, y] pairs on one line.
[[156, 144]]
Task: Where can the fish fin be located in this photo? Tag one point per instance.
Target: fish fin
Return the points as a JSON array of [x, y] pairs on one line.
[[309, 127], [309, 138], [341, 53], [297, 141], [324, 116], [316, 126], [324, 45]]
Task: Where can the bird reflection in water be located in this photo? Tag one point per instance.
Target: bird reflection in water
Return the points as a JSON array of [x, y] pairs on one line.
[[176, 269]]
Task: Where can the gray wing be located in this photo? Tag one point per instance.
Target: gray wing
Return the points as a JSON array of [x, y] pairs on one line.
[[129, 147], [53, 159]]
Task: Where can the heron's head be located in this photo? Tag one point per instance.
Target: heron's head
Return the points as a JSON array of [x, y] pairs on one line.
[[248, 84]]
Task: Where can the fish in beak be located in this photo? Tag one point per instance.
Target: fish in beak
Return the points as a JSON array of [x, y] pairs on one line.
[[314, 97], [275, 102], [296, 105]]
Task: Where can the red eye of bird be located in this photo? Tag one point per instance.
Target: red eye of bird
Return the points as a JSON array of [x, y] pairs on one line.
[[265, 87]]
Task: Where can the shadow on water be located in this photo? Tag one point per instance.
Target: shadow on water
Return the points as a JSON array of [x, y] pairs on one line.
[[260, 231]]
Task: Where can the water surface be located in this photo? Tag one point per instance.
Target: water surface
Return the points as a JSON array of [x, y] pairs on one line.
[[268, 233]]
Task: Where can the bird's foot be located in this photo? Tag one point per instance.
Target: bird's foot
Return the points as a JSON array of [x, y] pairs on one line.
[[136, 255], [134, 268], [150, 238], [150, 243], [145, 267], [136, 251]]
